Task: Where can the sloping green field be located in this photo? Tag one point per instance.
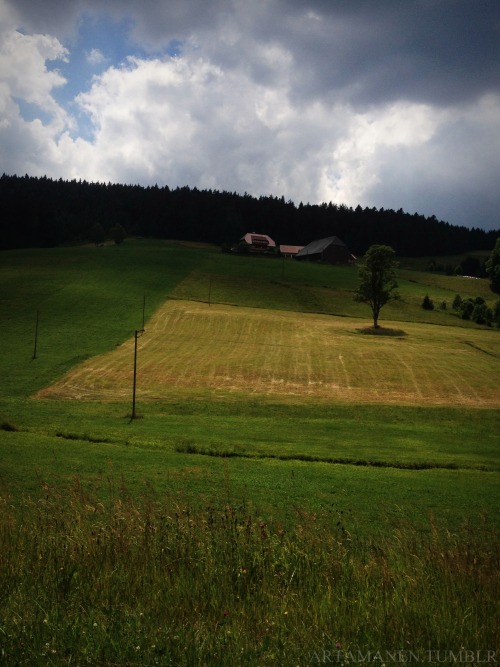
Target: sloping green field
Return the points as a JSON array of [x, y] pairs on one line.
[[239, 357]]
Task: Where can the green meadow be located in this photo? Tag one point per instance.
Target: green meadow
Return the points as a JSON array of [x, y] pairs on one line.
[[294, 489]]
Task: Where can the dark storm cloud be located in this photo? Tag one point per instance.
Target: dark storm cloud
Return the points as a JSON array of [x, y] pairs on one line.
[[156, 21], [440, 52], [366, 52], [455, 176]]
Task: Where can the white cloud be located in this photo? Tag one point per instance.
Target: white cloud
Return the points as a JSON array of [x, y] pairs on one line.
[[95, 57], [178, 118], [23, 65], [27, 83], [372, 138], [181, 121]]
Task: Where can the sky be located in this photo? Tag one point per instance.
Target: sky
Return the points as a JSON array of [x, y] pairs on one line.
[[381, 103]]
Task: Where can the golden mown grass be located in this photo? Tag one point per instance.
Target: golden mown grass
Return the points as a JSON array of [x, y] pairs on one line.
[[191, 346]]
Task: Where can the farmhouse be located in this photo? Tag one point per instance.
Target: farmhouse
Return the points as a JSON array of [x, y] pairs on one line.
[[330, 250], [258, 242], [290, 250]]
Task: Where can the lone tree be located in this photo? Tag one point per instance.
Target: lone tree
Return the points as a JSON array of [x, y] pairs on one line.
[[96, 234], [377, 276], [118, 233]]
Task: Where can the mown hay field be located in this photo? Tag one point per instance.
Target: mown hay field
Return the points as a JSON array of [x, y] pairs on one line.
[[233, 350]]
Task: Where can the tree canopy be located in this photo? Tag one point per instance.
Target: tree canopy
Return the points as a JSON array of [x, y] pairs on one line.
[[40, 212], [377, 275], [493, 268]]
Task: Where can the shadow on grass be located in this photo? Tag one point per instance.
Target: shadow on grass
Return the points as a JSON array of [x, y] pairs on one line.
[[382, 331], [191, 448]]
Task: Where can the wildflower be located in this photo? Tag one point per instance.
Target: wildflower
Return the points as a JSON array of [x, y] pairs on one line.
[[338, 645], [225, 613]]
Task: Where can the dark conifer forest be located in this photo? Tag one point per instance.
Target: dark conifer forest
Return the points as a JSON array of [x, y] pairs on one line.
[[40, 212]]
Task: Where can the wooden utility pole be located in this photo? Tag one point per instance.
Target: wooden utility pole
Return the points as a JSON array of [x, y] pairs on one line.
[[36, 334], [137, 332]]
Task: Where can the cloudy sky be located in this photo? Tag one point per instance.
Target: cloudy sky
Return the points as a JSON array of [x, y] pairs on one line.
[[392, 103]]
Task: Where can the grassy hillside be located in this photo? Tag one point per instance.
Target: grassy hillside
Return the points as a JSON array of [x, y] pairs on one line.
[[91, 299], [297, 482], [263, 381]]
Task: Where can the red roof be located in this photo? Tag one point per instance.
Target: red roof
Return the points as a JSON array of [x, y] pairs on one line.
[[290, 249]]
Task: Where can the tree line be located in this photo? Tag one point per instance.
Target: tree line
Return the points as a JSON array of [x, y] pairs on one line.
[[42, 212]]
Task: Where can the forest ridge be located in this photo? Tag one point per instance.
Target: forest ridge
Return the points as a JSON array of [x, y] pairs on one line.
[[41, 212]]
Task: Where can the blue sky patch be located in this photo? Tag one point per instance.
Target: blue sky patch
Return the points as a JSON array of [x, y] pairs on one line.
[[30, 111]]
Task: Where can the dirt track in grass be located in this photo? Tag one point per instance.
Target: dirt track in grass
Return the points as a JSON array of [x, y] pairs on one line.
[[191, 346]]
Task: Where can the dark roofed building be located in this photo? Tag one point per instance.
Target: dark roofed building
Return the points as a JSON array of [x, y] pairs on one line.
[[330, 250]]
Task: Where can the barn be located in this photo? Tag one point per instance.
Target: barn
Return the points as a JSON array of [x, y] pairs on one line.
[[330, 250]]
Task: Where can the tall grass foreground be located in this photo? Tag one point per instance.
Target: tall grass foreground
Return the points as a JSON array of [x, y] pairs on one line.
[[121, 582]]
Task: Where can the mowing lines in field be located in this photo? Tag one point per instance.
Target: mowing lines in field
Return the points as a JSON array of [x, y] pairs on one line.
[[189, 346]]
